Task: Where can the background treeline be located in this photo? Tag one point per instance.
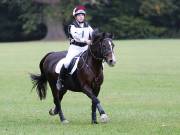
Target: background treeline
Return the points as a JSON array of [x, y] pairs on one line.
[[22, 20]]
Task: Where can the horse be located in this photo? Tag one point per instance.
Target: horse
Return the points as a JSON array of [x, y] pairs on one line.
[[87, 78]]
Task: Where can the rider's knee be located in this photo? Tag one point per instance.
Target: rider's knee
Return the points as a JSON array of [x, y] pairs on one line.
[[66, 65]]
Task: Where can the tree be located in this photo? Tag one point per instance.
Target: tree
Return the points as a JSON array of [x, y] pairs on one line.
[[11, 25], [56, 13], [158, 11], [164, 13], [127, 19], [51, 17]]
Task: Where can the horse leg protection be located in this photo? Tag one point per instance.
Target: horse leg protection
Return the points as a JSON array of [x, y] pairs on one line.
[[95, 100], [100, 109], [93, 115]]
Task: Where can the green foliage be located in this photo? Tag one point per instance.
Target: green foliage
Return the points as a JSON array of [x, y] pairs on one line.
[[131, 27], [8, 23], [157, 7], [31, 16], [139, 18], [18, 24], [162, 13], [126, 19]]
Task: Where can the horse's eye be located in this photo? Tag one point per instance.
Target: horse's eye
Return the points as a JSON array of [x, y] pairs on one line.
[[113, 45]]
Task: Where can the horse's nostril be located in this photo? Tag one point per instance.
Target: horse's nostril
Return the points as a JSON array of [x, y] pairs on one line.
[[110, 61]]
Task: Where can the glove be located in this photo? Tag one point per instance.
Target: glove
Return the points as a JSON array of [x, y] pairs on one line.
[[88, 42]]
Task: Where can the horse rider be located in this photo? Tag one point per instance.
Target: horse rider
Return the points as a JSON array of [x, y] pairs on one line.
[[80, 33]]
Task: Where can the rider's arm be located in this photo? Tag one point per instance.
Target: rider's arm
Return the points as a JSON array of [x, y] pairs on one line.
[[90, 35], [75, 35], [91, 31]]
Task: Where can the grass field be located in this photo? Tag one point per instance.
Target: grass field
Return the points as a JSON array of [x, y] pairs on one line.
[[141, 94]]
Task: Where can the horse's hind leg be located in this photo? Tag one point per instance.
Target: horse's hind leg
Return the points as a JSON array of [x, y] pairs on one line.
[[57, 96], [55, 93], [61, 115]]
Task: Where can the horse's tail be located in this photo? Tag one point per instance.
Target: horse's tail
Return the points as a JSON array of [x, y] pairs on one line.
[[39, 80]]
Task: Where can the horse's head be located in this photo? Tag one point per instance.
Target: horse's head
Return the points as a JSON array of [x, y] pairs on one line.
[[102, 47]]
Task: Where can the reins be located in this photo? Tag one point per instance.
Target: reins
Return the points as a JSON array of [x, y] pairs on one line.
[[84, 60], [95, 57], [92, 54]]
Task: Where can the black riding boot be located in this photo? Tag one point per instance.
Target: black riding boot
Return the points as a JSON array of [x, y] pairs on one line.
[[61, 78]]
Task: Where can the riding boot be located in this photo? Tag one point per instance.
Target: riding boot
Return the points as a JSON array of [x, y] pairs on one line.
[[61, 78]]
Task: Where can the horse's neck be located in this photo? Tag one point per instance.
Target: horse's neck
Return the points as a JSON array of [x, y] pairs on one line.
[[95, 64]]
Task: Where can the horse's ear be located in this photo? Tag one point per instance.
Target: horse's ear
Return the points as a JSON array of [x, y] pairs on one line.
[[103, 35], [97, 36], [95, 32], [110, 35]]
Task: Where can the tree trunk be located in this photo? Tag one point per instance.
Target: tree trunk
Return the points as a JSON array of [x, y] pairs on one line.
[[51, 18], [55, 29]]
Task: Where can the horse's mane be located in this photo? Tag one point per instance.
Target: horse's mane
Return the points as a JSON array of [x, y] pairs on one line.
[[97, 35]]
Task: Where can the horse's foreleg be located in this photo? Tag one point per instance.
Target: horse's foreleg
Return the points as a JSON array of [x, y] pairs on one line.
[[93, 115], [95, 103], [94, 118]]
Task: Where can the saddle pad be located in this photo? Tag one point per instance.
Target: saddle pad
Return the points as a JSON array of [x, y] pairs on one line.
[[61, 62]]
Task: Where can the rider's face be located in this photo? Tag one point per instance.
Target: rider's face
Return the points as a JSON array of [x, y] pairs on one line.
[[80, 17]]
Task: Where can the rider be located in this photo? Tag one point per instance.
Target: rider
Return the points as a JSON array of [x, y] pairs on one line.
[[80, 33]]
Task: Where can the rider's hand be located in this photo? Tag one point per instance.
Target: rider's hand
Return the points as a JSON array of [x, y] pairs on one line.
[[88, 42]]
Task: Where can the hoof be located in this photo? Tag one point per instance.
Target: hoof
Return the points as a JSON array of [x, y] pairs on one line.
[[52, 112], [65, 122], [104, 118], [94, 122]]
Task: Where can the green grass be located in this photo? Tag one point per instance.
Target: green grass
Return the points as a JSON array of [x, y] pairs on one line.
[[141, 94]]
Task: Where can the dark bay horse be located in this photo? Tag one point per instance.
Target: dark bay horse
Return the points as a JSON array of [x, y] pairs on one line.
[[87, 78]]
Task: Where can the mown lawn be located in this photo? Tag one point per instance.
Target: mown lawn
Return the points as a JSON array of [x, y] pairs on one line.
[[141, 94]]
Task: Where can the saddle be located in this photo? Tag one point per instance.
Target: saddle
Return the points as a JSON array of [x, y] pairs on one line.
[[72, 66]]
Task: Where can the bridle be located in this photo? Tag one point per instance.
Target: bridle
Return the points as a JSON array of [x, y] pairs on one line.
[[94, 56], [102, 51], [89, 50]]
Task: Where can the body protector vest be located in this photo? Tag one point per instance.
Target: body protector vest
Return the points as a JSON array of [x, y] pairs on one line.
[[79, 33]]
